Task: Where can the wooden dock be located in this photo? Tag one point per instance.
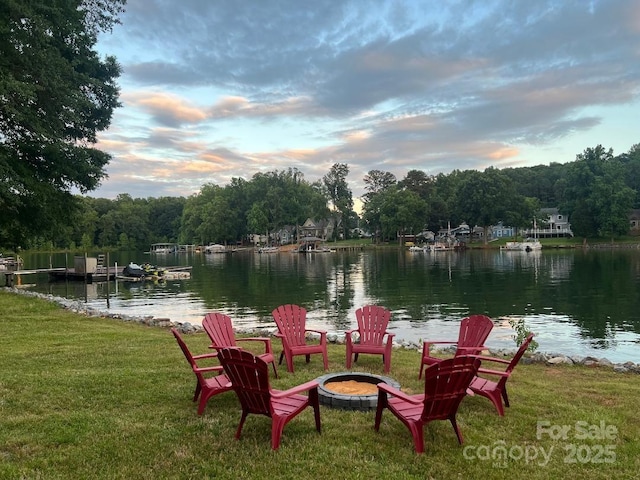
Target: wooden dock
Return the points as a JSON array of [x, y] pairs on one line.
[[13, 277], [102, 274]]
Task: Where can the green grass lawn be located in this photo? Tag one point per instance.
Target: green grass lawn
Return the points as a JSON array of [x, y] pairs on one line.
[[97, 398]]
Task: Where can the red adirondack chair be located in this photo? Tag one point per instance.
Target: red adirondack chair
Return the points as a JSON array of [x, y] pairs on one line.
[[445, 386], [474, 330], [220, 330], [496, 390], [291, 321], [250, 379], [206, 386], [372, 328]]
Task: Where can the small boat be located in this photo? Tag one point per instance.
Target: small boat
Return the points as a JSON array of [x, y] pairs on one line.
[[440, 247], [133, 270], [268, 249], [528, 245]]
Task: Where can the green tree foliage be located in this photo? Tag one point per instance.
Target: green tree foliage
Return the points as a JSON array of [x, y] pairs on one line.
[[376, 181], [631, 164], [436, 191], [257, 218], [487, 198], [539, 182], [56, 95], [401, 212], [266, 203], [340, 195], [596, 197], [165, 214], [371, 212], [418, 182], [131, 217]]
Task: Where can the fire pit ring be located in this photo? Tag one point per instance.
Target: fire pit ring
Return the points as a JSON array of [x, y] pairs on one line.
[[351, 401]]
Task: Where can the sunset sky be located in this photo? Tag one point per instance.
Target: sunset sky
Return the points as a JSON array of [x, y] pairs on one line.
[[217, 89]]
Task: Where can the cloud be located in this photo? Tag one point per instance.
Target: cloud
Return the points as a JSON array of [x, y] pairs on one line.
[[215, 90]]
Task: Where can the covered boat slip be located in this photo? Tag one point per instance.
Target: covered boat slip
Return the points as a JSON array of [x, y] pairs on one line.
[[163, 248], [312, 245], [169, 248]]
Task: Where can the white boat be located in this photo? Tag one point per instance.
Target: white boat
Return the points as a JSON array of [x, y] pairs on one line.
[[440, 247], [528, 245], [216, 248], [268, 249]]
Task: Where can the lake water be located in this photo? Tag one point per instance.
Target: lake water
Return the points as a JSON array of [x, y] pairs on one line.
[[578, 302]]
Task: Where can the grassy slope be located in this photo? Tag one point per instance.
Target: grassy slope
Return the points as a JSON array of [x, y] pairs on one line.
[[95, 398]]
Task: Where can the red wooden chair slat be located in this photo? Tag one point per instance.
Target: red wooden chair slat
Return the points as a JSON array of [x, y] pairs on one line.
[[446, 386], [372, 321], [206, 386], [219, 328], [250, 379], [291, 322], [473, 332], [496, 390]]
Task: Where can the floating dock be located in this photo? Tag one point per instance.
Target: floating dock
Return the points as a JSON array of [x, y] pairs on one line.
[[101, 274]]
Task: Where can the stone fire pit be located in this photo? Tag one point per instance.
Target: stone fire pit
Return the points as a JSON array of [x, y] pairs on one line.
[[338, 390]]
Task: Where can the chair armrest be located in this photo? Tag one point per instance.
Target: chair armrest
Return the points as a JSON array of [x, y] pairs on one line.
[[415, 399], [321, 332], [205, 355], [493, 372], [427, 345], [265, 340], [217, 368], [491, 359], [294, 390]]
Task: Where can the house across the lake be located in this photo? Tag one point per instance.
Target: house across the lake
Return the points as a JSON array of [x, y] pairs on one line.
[[556, 225]]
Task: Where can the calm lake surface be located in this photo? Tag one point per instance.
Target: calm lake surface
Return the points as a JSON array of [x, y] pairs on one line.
[[578, 302]]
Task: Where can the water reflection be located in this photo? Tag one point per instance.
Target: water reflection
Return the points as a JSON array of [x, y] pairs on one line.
[[585, 303]]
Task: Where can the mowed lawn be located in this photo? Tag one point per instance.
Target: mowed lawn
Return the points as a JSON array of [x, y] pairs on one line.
[[99, 398]]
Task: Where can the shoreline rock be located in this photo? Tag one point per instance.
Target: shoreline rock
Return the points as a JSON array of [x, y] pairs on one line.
[[550, 359]]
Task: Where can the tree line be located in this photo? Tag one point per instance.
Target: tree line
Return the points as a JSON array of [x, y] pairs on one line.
[[597, 191]]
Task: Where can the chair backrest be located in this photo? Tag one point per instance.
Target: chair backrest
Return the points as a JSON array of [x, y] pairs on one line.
[[474, 330], [249, 378], [187, 353], [372, 324], [220, 329], [516, 358], [291, 322], [183, 347], [446, 384]]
